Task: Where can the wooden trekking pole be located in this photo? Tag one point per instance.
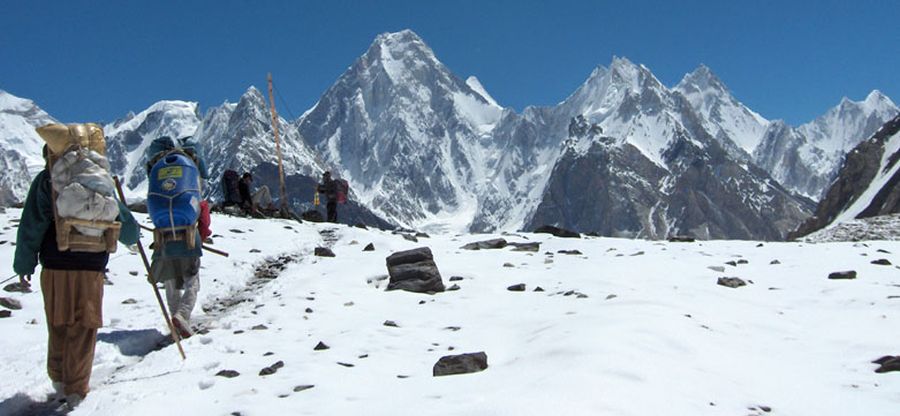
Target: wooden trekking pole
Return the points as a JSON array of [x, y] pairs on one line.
[[10, 278], [203, 246], [162, 306], [277, 147]]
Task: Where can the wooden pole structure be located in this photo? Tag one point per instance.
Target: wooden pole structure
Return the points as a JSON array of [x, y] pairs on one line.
[[162, 306], [277, 147]]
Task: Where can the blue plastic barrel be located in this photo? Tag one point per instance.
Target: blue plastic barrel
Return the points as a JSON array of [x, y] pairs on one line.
[[173, 197]]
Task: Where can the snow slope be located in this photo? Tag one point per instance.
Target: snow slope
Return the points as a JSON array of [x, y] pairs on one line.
[[654, 334]]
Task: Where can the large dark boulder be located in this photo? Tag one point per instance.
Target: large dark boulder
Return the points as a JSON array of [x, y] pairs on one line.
[[556, 231], [460, 364], [414, 271]]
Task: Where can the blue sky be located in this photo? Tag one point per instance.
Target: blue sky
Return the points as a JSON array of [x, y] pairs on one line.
[[95, 61]]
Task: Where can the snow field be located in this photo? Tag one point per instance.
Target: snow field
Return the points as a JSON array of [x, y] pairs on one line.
[[670, 341]]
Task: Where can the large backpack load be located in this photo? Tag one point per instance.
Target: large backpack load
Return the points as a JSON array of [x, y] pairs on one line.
[[174, 194], [231, 187], [84, 203], [342, 188]]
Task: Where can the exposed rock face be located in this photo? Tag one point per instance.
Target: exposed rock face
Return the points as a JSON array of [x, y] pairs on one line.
[[414, 271], [460, 364], [868, 184], [697, 190]]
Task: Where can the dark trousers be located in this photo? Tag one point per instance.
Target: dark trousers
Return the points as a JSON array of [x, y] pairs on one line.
[[332, 211]]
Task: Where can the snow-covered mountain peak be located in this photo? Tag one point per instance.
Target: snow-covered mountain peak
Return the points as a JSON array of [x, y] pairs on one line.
[[702, 79], [842, 127], [735, 126], [476, 86], [127, 139], [606, 88], [20, 145], [182, 116]]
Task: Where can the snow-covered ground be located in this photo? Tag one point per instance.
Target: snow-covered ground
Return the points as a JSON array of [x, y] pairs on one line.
[[655, 335]]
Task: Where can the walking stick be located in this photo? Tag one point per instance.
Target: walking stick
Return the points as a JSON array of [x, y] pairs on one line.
[[10, 278], [165, 312]]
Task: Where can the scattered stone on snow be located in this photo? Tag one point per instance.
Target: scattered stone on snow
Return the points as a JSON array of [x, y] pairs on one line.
[[369, 247], [882, 262], [133, 273], [774, 262], [454, 287], [845, 275], [11, 303], [742, 261], [508, 265], [732, 282], [517, 288], [538, 289], [302, 387], [887, 363], [324, 252], [272, 369], [414, 271], [611, 296], [129, 301], [236, 231], [308, 310], [253, 250], [259, 327], [321, 346], [391, 324], [719, 269], [348, 365], [5, 313], [495, 243], [456, 278], [460, 364], [17, 287], [268, 354], [410, 238], [556, 231], [228, 373], [731, 263], [453, 328], [570, 252], [881, 250], [639, 253], [681, 239], [422, 235]]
